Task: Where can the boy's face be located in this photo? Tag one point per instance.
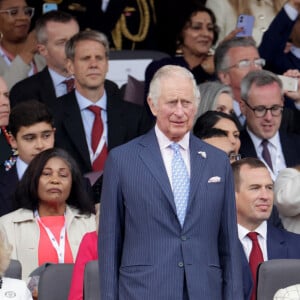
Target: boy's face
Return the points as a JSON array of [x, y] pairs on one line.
[[31, 140]]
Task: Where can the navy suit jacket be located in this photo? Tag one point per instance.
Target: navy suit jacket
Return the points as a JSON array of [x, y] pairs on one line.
[[280, 244], [38, 86], [273, 43], [5, 149], [290, 144], [144, 253], [125, 121], [8, 183]]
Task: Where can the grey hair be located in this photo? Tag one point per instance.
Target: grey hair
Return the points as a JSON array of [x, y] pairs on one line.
[[210, 92], [168, 71], [5, 252], [221, 58], [86, 35], [258, 78]]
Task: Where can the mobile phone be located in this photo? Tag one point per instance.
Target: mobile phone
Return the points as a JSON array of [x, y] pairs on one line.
[[246, 22], [289, 84], [49, 7]]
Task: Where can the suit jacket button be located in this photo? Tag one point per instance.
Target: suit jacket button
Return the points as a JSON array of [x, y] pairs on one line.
[[183, 238], [180, 264]]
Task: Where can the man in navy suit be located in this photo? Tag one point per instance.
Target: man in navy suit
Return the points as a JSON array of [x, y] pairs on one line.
[[284, 28], [262, 106], [254, 201], [53, 30], [5, 148], [150, 247]]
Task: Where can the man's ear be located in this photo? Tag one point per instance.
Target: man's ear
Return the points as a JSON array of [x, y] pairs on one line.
[[224, 77], [42, 49], [152, 106], [70, 67], [13, 141]]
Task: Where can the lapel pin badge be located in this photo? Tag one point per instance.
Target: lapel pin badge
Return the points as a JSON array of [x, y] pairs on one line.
[[202, 153]]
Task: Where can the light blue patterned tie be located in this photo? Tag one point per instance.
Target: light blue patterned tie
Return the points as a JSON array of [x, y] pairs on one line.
[[180, 183]]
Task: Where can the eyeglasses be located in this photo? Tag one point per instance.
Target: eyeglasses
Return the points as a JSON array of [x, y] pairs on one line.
[[14, 12], [261, 111], [246, 63], [234, 156]]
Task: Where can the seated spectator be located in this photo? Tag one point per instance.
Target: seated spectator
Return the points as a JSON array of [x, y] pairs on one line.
[[218, 138], [260, 240], [10, 286], [54, 207], [291, 292], [32, 131], [220, 120], [287, 197], [18, 58], [197, 32], [6, 150], [227, 12], [285, 28], [215, 96], [88, 251]]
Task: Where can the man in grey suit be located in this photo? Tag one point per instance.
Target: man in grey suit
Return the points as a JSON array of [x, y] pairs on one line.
[[156, 243]]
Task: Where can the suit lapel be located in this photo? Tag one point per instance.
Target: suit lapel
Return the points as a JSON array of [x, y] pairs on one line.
[[47, 90], [276, 244], [151, 156], [197, 161], [72, 123]]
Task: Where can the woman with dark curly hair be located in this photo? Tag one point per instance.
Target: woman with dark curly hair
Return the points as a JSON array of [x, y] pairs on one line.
[[55, 212]]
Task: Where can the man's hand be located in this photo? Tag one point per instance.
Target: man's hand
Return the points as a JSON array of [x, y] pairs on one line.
[[295, 96]]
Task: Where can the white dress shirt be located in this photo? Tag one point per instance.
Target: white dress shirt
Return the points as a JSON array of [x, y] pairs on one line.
[[88, 118], [21, 167], [167, 153], [58, 82], [262, 239], [275, 149]]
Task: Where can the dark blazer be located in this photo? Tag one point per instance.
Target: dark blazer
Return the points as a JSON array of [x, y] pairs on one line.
[[290, 144], [125, 121], [145, 253], [280, 244], [38, 86], [5, 149], [273, 43], [8, 183]]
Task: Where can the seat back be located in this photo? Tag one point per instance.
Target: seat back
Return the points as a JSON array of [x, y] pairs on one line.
[[91, 289], [55, 281], [276, 274], [123, 63], [14, 269]]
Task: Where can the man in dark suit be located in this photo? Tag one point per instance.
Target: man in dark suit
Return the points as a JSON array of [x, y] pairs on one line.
[[5, 148], [254, 202], [120, 121], [163, 236], [284, 28], [53, 30], [262, 106], [32, 132]]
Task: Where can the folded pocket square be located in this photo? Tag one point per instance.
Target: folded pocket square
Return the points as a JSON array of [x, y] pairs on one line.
[[214, 179]]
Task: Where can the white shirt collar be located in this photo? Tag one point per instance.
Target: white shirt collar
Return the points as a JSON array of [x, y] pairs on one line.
[[165, 142], [261, 230], [83, 102], [21, 167]]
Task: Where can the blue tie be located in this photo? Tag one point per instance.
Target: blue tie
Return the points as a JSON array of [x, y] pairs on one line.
[[180, 183]]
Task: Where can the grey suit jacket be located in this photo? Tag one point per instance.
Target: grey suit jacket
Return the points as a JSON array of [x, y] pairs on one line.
[[143, 251]]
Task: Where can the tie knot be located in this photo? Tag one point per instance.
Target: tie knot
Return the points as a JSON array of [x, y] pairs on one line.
[[265, 143], [252, 236], [95, 109], [69, 84], [175, 147]]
